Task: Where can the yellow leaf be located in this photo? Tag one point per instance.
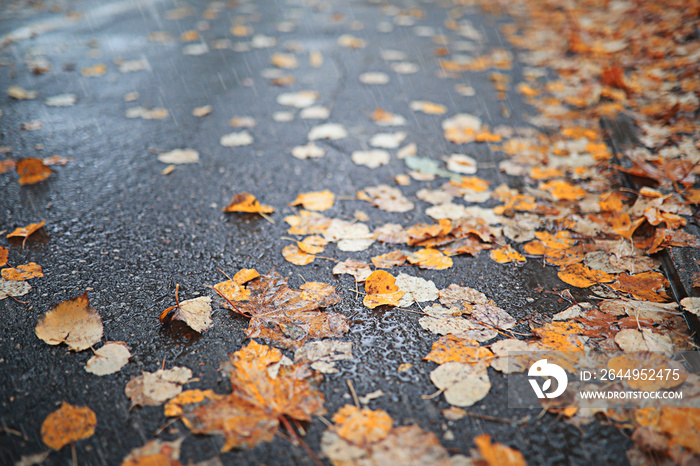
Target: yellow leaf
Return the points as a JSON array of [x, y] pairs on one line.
[[316, 200], [246, 202], [68, 425], [381, 290]]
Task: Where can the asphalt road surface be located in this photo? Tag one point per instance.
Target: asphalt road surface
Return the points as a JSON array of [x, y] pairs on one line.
[[118, 228]]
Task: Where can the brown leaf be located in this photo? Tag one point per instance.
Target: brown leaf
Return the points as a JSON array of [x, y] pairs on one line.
[[153, 388], [68, 425], [4, 254], [290, 317], [26, 232], [246, 202], [72, 322]]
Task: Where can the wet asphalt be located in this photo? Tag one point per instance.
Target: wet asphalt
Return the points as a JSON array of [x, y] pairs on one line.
[[118, 228]]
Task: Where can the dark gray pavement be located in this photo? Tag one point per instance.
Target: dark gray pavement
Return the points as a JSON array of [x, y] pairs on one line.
[[118, 228]]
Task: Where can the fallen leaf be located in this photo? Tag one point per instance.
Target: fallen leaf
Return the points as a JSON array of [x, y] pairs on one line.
[[444, 321], [196, 313], [427, 107], [72, 322], [67, 425], [506, 255], [20, 93], [155, 453], [643, 340], [155, 113], [496, 454], [27, 231], [246, 202], [461, 163], [22, 272], [321, 355], [387, 140], [561, 190], [374, 77], [4, 254], [179, 156], [389, 260], [32, 171], [290, 317], [234, 289], [430, 259], [649, 286], [358, 269], [307, 223], [386, 198], [293, 254], [204, 110], [581, 276], [416, 290], [236, 139], [317, 201], [299, 99], [62, 100], [450, 348], [154, 388], [560, 336], [652, 362], [312, 244], [370, 158], [381, 290], [332, 131], [308, 151], [109, 359], [385, 118], [455, 295], [462, 384], [14, 289]]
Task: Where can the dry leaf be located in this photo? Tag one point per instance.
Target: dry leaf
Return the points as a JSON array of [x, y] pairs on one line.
[[109, 359], [381, 290], [72, 322], [389, 260], [179, 156], [155, 453], [455, 295], [416, 290], [358, 269], [196, 313], [430, 259], [22, 272], [321, 355], [454, 349], [497, 454], [67, 425], [316, 200], [370, 158], [643, 340], [153, 388], [14, 289], [32, 171], [246, 202], [293, 254], [462, 384], [443, 321]]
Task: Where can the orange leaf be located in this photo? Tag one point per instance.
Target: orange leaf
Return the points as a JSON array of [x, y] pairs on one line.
[[25, 232], [362, 426], [451, 348], [4, 254], [430, 259], [296, 256], [313, 244], [561, 190], [582, 276], [68, 425], [381, 290], [497, 454], [22, 272], [316, 200], [506, 254], [649, 286], [472, 182], [32, 171], [560, 336], [615, 77], [246, 202], [233, 289]]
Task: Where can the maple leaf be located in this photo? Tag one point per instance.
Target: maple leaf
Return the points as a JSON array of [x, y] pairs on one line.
[[290, 317], [67, 425], [265, 390], [72, 322], [32, 171]]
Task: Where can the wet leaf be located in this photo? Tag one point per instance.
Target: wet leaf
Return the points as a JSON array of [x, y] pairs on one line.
[[32, 171], [652, 361], [14, 289], [109, 359], [22, 272], [4, 254], [72, 322], [155, 452], [497, 454], [321, 355], [648, 286], [316, 200], [443, 321], [234, 289], [67, 425], [26, 232], [179, 156], [416, 290], [581, 276], [358, 269], [643, 340], [506, 255], [290, 317], [430, 259], [386, 198], [389, 260], [154, 388], [454, 349], [381, 290], [246, 202], [293, 254]]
